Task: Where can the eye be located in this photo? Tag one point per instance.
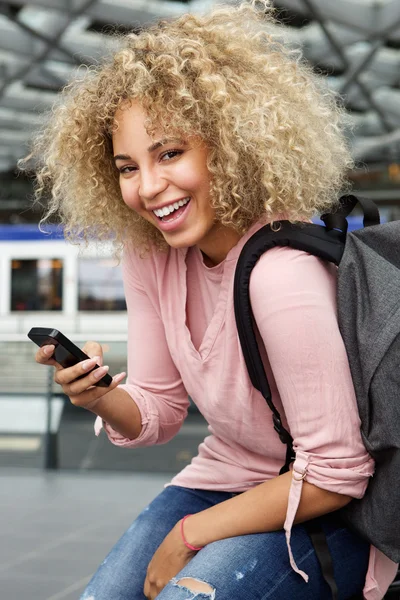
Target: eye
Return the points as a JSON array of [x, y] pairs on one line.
[[170, 154], [127, 169]]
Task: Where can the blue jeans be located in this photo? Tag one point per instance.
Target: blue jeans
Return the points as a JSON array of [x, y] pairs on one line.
[[250, 567]]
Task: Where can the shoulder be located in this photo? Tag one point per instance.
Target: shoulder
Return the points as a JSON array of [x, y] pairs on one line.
[[285, 271], [148, 269]]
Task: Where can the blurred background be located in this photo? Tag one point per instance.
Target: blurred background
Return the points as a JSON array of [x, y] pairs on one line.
[[353, 44]]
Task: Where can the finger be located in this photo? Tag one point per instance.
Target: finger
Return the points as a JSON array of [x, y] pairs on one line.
[[69, 374], [85, 390], [43, 355], [146, 588], [79, 386]]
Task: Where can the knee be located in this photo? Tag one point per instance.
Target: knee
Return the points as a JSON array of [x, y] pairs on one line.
[[195, 585]]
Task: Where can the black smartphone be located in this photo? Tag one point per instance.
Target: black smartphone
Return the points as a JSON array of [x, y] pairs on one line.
[[65, 353]]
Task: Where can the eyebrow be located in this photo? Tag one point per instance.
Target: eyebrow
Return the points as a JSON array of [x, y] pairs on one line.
[[151, 148]]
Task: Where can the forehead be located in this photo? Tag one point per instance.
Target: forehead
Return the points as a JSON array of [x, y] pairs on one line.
[[129, 133], [129, 115], [133, 128]]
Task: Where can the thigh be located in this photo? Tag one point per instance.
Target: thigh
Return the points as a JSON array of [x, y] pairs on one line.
[[256, 567], [122, 573]]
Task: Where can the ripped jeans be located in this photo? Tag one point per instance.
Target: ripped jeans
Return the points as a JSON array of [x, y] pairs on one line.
[[250, 567]]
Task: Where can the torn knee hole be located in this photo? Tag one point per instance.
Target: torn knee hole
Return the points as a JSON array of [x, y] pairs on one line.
[[195, 585]]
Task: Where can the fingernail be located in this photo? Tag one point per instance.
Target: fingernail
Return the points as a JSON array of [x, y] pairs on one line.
[[87, 364], [100, 372], [119, 377], [49, 349]]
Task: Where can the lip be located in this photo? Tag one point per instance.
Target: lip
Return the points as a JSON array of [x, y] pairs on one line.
[[175, 223]]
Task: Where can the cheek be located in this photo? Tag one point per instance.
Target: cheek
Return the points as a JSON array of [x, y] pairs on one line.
[[192, 177], [130, 197], [200, 188]]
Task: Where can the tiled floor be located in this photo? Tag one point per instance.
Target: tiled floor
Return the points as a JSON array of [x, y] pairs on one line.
[[56, 527], [79, 448]]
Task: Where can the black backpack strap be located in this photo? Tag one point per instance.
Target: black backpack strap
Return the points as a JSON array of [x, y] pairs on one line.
[[337, 220], [317, 240], [314, 239], [319, 541]]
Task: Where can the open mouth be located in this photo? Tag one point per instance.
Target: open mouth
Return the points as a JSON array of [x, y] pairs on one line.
[[173, 211]]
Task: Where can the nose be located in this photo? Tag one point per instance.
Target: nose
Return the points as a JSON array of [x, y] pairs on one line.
[[151, 184]]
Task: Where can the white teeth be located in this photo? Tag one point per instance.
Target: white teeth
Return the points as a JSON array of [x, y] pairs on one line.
[[166, 210]]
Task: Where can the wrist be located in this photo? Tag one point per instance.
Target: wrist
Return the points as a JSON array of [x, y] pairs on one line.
[[101, 405], [118, 409], [188, 534]]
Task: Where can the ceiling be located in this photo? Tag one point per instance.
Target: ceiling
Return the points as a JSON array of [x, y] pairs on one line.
[[354, 43]]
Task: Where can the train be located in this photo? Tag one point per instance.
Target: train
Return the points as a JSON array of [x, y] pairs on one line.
[[49, 282]]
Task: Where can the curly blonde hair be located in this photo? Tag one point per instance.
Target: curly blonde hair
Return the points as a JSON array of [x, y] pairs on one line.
[[273, 132]]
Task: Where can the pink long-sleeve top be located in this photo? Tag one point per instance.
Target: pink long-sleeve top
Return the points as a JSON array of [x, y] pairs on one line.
[[182, 340]]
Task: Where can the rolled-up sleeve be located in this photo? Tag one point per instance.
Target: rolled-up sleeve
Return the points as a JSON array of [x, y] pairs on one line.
[[153, 381], [293, 297]]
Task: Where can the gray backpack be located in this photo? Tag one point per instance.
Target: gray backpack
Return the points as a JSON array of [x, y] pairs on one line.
[[369, 317], [369, 321]]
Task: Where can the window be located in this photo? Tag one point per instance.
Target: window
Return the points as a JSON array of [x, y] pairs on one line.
[[36, 284], [100, 285]]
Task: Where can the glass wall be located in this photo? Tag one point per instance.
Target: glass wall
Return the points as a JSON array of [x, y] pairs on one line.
[[36, 284], [100, 286]]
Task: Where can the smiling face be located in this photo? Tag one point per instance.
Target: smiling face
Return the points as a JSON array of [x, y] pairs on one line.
[[167, 182]]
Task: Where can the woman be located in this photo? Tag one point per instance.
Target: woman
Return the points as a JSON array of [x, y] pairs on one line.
[[195, 134]]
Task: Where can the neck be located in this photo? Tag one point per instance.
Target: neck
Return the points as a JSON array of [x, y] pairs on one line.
[[218, 244]]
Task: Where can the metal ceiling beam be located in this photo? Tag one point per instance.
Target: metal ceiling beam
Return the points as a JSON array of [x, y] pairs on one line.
[[368, 80], [20, 98], [13, 138], [139, 12], [50, 45], [371, 16], [12, 119], [372, 148], [377, 43], [36, 34], [121, 12], [66, 6], [321, 20], [317, 47]]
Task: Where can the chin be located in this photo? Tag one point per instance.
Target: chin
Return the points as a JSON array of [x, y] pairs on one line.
[[184, 239], [179, 241]]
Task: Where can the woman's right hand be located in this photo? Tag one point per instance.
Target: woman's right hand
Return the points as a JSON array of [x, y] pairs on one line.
[[82, 392]]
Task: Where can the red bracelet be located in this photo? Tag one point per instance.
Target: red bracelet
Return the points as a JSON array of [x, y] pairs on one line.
[[193, 548]]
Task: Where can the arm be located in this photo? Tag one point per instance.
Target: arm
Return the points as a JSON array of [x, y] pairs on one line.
[[249, 512], [109, 403], [260, 509], [120, 411], [154, 383], [293, 299], [151, 407]]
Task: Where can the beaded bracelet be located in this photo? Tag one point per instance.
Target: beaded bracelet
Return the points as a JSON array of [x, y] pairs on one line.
[[193, 548]]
